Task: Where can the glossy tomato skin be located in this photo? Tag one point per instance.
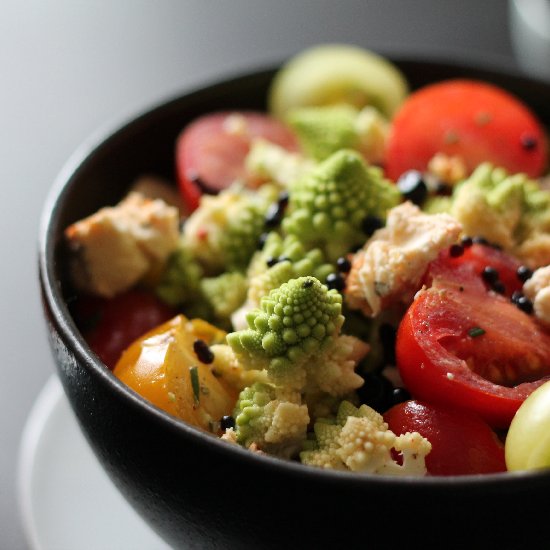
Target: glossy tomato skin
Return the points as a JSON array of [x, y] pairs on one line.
[[462, 443], [210, 152], [109, 326], [462, 345], [474, 120]]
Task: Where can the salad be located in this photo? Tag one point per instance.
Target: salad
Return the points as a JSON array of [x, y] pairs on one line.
[[358, 279]]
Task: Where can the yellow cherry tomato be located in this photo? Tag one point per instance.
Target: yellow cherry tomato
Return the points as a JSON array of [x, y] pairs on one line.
[[163, 367], [528, 441]]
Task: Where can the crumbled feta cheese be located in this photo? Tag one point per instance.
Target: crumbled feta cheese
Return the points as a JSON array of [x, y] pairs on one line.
[[117, 246], [537, 289], [389, 268]]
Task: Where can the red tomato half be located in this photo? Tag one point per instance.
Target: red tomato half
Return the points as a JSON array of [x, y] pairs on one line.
[[474, 120], [109, 326], [462, 443], [210, 152], [461, 345]]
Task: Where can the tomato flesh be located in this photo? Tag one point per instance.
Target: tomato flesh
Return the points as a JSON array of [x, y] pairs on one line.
[[476, 121], [109, 326], [211, 151], [461, 345], [462, 443]]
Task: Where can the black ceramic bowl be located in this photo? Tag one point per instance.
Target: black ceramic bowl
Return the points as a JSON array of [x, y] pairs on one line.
[[197, 491]]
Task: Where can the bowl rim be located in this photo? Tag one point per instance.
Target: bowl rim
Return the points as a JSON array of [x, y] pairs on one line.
[[58, 312]]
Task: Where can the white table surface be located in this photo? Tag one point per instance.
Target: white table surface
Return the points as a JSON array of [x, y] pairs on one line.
[[69, 66]]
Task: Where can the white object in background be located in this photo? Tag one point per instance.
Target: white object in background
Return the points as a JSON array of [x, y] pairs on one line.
[[66, 499], [530, 34]]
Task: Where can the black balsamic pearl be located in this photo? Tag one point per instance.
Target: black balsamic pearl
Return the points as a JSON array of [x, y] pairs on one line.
[[480, 240], [466, 242], [370, 224], [336, 281], [203, 352], [456, 250], [262, 240], [412, 186], [524, 273], [282, 200], [516, 295], [274, 215], [524, 304], [498, 287], [343, 265], [227, 422], [489, 275], [399, 395]]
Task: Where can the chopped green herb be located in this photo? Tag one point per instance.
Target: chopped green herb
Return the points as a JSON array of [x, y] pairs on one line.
[[475, 332], [194, 372]]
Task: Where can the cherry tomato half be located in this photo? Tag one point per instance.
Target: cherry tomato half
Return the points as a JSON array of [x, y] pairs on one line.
[[159, 366], [462, 443], [211, 151], [474, 120], [462, 345], [109, 326]]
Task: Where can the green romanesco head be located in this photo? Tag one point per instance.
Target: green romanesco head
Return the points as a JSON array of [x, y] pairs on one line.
[[271, 424], [294, 322], [510, 210], [282, 259], [224, 294], [328, 206], [269, 162], [240, 239], [180, 281], [223, 233], [325, 130]]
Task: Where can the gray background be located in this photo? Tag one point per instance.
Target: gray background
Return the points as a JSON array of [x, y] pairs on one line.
[[69, 66]]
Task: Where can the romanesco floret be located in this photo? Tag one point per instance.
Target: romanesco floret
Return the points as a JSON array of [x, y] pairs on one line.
[[294, 323], [359, 440], [512, 211], [268, 423], [328, 206], [324, 130], [269, 162], [223, 233], [179, 284], [293, 261], [225, 294]]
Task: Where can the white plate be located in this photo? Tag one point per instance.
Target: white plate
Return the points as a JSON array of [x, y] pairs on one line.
[[66, 499]]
